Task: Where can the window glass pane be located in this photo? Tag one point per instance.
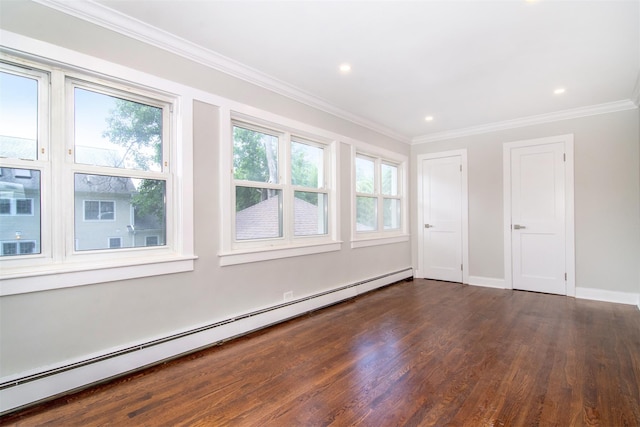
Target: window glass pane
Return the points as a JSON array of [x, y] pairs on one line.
[[391, 214], [20, 210], [18, 117], [258, 213], [255, 155], [307, 165], [24, 206], [108, 208], [5, 206], [389, 180], [365, 175], [366, 213], [310, 213], [116, 132]]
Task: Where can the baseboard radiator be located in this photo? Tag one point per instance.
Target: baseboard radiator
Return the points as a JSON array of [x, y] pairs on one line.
[[17, 392]]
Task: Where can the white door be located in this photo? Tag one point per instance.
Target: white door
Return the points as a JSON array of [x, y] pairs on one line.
[[538, 218], [442, 218]]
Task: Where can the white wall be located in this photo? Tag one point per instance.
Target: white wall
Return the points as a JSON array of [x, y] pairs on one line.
[[607, 197], [43, 329]]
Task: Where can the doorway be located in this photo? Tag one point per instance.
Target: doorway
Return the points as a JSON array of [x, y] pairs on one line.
[[443, 216], [538, 217]]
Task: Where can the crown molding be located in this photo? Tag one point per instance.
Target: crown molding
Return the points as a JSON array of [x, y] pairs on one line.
[[120, 23], [592, 110]]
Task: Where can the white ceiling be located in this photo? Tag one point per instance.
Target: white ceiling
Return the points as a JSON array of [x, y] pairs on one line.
[[466, 63]]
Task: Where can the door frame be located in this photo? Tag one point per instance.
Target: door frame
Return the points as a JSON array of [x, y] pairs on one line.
[[465, 209], [569, 206]]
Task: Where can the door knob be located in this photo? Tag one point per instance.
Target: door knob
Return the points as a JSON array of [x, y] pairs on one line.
[[518, 227], [428, 226]]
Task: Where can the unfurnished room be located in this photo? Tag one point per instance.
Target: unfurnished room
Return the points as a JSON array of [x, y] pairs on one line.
[[314, 213]]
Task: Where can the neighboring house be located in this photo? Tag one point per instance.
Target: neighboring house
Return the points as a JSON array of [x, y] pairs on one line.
[[19, 211], [105, 217], [262, 220]]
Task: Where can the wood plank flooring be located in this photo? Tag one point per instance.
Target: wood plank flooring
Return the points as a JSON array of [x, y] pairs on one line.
[[418, 353]]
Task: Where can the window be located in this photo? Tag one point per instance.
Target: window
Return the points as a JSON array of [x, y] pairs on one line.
[[268, 206], [99, 210], [92, 155], [281, 188], [115, 242], [379, 200], [24, 206], [18, 248]]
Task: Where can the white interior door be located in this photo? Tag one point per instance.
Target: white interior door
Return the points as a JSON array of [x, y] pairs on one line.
[[538, 218], [442, 218]]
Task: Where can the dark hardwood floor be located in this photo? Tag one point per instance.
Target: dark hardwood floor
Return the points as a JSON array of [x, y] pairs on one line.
[[418, 353]]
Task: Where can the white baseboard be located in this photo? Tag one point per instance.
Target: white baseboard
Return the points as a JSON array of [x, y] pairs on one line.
[[487, 282], [23, 390], [608, 296]]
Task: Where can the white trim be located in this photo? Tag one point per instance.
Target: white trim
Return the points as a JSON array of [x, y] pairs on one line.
[[29, 392], [609, 107], [265, 254], [570, 263], [487, 282], [375, 241], [69, 275], [605, 295], [120, 23], [465, 207]]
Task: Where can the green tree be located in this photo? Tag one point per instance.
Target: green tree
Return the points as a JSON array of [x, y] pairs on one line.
[[138, 129], [255, 157]]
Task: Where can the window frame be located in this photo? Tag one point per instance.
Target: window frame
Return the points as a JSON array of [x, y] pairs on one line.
[[379, 236], [58, 258], [245, 251]]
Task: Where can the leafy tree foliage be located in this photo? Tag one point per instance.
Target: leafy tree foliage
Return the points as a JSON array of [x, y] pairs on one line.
[[138, 129]]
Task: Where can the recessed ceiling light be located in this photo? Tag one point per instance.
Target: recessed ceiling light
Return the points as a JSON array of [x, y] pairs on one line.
[[345, 68], [559, 91], [429, 118]]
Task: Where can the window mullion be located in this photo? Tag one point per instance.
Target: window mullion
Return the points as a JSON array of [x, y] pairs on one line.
[[59, 200]]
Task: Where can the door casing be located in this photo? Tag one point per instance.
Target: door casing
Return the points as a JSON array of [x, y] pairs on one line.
[[569, 207]]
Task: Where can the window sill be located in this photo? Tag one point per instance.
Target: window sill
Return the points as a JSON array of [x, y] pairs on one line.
[[46, 277], [375, 241], [266, 254]]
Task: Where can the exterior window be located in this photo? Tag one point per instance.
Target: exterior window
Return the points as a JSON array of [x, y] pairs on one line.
[[19, 107], [255, 163], [115, 242], [93, 154], [121, 132], [139, 209], [390, 196], [20, 209], [279, 186], [366, 199], [5, 206], [99, 210], [18, 248], [379, 198], [311, 200], [24, 207]]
